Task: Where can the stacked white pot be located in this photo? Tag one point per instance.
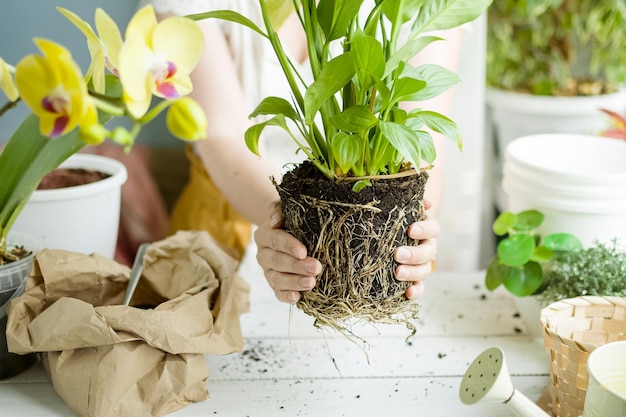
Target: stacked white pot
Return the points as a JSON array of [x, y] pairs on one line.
[[577, 181]]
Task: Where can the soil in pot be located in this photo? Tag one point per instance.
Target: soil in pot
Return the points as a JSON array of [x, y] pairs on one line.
[[70, 177], [354, 235], [13, 254]]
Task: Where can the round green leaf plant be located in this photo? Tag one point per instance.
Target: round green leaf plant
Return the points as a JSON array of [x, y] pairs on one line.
[[520, 255]]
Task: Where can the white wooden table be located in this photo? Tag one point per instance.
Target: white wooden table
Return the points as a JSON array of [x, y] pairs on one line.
[[286, 367]]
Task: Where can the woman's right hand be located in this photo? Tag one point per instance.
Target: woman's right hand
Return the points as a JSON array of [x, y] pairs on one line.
[[287, 268]]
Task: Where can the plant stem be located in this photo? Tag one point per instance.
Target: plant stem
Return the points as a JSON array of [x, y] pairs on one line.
[[314, 138], [8, 106]]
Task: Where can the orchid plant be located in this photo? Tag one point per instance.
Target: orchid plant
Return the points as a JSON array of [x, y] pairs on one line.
[[70, 110]]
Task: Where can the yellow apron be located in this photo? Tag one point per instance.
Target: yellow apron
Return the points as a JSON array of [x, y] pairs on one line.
[[202, 206]]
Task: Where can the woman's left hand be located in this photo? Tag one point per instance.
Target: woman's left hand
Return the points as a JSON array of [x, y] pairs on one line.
[[416, 262]]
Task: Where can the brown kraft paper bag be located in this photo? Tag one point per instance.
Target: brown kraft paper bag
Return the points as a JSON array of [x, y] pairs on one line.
[[109, 360]]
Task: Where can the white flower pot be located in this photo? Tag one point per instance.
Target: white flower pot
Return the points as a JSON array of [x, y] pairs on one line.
[[513, 115], [83, 218], [577, 181], [606, 390]]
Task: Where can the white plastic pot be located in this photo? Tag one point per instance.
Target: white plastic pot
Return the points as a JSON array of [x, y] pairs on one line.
[[513, 115], [83, 218], [577, 181]]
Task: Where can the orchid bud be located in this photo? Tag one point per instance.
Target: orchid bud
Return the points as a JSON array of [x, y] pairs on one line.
[[186, 120], [93, 134], [122, 136]]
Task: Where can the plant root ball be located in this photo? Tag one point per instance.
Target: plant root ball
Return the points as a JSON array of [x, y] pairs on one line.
[[354, 235]]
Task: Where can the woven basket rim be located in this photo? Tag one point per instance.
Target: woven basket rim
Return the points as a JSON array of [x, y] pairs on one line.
[[566, 353]]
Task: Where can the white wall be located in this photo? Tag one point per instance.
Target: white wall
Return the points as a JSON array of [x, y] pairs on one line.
[[461, 217]]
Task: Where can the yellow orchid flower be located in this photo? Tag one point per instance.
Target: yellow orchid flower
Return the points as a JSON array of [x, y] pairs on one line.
[[186, 120], [104, 50], [52, 86], [157, 58], [6, 81], [111, 37]]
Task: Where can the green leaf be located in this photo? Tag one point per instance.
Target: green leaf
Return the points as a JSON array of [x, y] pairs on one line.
[[496, 273], [503, 223], [438, 80], [275, 105], [253, 134], [230, 16], [334, 16], [404, 140], [355, 119], [524, 281], [347, 150], [542, 254], [408, 51], [562, 242], [405, 89], [441, 124], [367, 54], [428, 151], [516, 250], [447, 14], [528, 220], [360, 184], [369, 60], [334, 75]]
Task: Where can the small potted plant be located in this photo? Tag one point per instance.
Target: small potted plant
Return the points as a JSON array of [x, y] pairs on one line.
[[362, 184], [551, 67], [70, 110], [539, 270]]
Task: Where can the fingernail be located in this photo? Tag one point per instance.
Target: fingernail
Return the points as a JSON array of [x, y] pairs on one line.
[[307, 282], [311, 266], [275, 220], [293, 297], [402, 254], [416, 232], [402, 273], [299, 252]]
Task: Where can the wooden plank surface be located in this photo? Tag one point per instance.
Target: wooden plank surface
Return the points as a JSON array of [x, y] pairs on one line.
[[290, 368]]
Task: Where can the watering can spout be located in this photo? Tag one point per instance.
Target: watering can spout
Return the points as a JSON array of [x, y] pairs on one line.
[[487, 380]]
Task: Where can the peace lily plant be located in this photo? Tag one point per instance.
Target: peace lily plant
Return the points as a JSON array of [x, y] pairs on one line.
[[70, 110], [349, 121]]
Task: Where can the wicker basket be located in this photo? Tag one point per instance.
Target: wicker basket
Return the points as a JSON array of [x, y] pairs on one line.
[[573, 328]]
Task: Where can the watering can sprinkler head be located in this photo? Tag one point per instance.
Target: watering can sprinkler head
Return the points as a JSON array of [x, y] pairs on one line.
[[487, 380]]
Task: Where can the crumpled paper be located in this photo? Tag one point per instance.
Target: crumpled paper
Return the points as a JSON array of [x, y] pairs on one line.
[[110, 360]]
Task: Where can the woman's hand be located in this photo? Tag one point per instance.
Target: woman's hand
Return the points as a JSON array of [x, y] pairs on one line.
[[284, 260], [289, 270], [416, 262]]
